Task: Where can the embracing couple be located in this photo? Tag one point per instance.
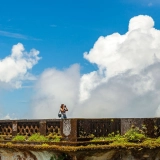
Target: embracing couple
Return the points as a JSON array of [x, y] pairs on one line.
[[62, 111]]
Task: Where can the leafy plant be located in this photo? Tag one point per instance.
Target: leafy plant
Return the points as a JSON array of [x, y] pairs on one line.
[[19, 138], [37, 138], [91, 135], [54, 137], [111, 137], [158, 140], [134, 135]]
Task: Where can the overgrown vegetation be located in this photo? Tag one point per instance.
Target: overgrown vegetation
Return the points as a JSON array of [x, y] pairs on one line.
[[37, 137], [132, 135], [135, 135], [5, 137], [19, 138], [133, 138], [54, 137], [111, 137]]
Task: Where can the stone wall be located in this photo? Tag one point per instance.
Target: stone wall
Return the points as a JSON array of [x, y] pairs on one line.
[[79, 129], [110, 154], [29, 127]]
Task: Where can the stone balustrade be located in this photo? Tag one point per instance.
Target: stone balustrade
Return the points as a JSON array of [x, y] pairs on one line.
[[79, 129]]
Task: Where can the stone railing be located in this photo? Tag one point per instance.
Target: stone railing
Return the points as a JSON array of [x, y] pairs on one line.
[[29, 127], [79, 129], [84, 129]]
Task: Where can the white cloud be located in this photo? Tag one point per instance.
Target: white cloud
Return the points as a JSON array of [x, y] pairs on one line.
[[132, 51], [124, 95], [14, 68], [53, 88], [7, 117], [126, 83], [141, 22]]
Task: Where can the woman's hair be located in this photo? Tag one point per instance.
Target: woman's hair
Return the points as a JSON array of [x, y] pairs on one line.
[[62, 105]]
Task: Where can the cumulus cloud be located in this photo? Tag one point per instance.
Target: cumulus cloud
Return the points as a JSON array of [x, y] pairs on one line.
[[134, 51], [14, 68], [53, 88], [126, 83], [7, 116]]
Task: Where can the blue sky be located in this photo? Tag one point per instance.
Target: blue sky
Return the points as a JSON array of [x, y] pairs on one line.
[[62, 31]]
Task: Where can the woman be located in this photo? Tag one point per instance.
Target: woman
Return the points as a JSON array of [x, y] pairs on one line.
[[63, 110]]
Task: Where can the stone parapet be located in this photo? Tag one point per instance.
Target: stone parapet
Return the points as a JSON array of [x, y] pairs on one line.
[[79, 129]]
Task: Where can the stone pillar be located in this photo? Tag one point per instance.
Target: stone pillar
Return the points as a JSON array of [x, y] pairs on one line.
[[127, 123], [42, 127], [68, 129], [14, 128]]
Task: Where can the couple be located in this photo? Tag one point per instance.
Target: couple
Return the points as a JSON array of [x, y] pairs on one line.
[[63, 110]]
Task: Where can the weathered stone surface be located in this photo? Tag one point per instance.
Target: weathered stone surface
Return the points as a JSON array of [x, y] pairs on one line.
[[15, 154], [123, 154], [79, 129], [113, 154]]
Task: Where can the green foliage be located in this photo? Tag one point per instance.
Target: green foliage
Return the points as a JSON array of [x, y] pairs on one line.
[[54, 137], [144, 128], [37, 138], [132, 135], [19, 138], [158, 140], [111, 137], [99, 139], [135, 135], [150, 141], [91, 136], [115, 137], [5, 137]]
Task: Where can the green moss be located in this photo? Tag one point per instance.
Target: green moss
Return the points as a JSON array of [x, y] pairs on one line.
[[37, 138], [134, 135], [5, 137], [19, 138], [111, 137], [147, 143], [44, 144], [54, 137]]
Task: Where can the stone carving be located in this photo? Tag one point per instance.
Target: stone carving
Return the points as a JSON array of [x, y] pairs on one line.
[[52, 127], [27, 128], [66, 127], [14, 127], [6, 128]]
